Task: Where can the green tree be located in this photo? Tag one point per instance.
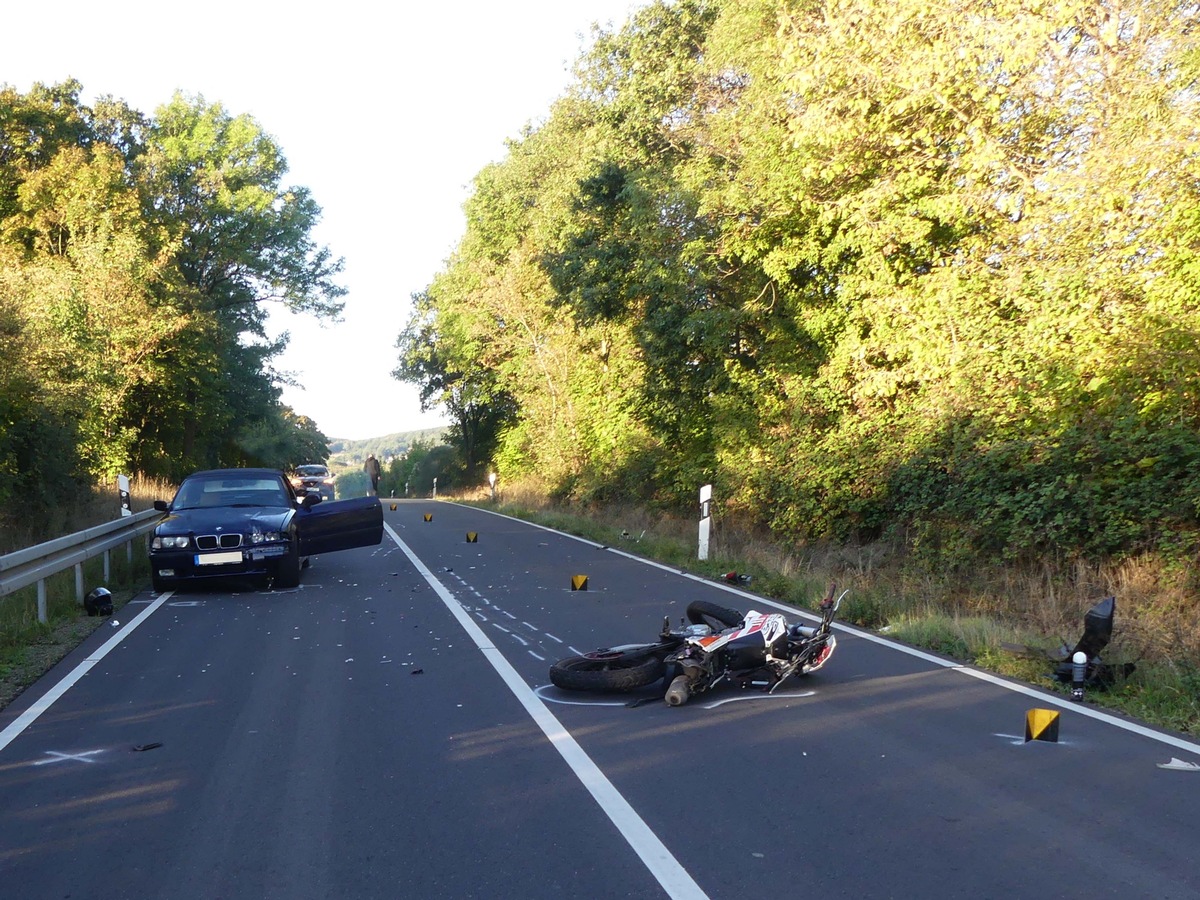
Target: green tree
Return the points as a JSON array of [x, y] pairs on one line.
[[136, 257], [214, 186], [397, 478], [281, 440], [962, 213], [479, 406], [39, 465], [873, 268], [87, 284], [34, 127]]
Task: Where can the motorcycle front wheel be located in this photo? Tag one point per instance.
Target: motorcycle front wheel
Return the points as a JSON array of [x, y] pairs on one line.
[[607, 670]]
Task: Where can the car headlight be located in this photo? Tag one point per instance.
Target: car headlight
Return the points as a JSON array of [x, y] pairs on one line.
[[169, 542], [262, 537]]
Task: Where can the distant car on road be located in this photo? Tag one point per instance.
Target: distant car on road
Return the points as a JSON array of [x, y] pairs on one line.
[[250, 523], [313, 479]]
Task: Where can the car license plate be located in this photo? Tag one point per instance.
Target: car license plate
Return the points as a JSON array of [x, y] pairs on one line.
[[219, 559], [268, 552]]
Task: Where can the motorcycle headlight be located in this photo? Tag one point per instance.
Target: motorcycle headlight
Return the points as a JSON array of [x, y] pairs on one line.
[[169, 542]]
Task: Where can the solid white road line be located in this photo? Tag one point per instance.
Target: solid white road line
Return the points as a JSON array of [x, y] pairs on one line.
[[645, 843], [27, 718]]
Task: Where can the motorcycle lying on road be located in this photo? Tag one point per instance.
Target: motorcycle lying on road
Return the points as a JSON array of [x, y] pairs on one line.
[[719, 644]]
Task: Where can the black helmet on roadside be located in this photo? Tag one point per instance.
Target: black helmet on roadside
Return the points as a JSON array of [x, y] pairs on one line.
[[99, 602]]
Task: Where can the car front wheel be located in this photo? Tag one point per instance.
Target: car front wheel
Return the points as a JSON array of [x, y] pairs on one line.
[[288, 575]]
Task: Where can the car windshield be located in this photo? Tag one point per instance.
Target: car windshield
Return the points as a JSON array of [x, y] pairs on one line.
[[231, 490], [312, 470]]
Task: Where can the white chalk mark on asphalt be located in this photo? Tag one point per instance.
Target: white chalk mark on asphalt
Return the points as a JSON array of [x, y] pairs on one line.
[[564, 702], [763, 696], [63, 757]]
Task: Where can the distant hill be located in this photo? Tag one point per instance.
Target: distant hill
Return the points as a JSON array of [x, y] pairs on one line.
[[346, 453]]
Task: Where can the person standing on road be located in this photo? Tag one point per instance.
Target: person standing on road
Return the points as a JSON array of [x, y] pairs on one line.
[[371, 467]]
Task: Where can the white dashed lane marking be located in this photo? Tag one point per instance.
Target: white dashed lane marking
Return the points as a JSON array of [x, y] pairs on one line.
[[497, 610]]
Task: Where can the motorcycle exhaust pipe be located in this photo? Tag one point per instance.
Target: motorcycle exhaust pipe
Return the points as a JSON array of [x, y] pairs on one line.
[[677, 693]]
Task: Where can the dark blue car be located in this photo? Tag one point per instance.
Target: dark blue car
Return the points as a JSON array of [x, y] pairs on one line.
[[250, 523]]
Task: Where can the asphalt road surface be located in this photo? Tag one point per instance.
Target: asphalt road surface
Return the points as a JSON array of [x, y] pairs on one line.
[[387, 731]]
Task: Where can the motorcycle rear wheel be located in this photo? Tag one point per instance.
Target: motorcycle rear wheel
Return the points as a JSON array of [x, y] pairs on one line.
[[607, 670], [700, 611]]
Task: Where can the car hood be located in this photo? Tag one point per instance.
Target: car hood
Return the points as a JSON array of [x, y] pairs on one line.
[[227, 518]]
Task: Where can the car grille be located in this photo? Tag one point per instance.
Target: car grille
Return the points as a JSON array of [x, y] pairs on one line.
[[218, 541]]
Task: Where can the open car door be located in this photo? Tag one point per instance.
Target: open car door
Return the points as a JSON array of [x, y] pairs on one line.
[[339, 525]]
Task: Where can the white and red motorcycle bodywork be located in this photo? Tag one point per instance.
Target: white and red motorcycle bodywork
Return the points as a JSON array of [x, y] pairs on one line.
[[760, 651], [754, 649]]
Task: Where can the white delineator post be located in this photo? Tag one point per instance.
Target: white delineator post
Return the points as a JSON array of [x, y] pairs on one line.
[[705, 519], [123, 491]]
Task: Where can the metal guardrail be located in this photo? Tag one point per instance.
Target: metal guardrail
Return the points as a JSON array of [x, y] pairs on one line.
[[34, 565]]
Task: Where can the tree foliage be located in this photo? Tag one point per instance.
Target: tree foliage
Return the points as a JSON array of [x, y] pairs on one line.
[[136, 258], [875, 269]]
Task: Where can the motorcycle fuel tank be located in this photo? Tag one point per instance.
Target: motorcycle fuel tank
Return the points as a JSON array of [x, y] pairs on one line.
[[748, 648]]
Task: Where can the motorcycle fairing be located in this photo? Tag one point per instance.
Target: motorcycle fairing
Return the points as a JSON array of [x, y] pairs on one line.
[[760, 639], [768, 627]]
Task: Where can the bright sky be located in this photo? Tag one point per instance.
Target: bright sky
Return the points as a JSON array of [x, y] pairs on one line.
[[385, 112]]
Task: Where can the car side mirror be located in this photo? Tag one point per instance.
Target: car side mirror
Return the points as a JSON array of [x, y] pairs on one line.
[[161, 505], [310, 500]]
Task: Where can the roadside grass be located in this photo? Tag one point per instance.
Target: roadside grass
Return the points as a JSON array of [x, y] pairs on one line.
[[1007, 619], [29, 648]]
